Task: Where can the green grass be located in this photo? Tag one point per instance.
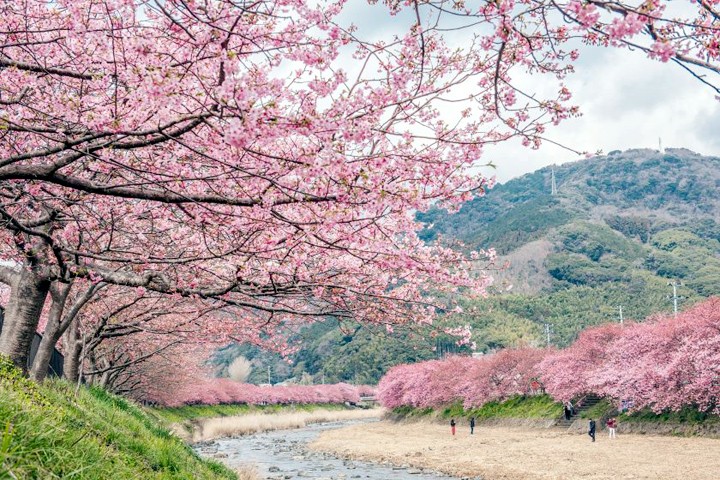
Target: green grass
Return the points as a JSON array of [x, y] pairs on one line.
[[601, 409], [687, 415], [194, 412], [536, 406], [412, 412], [544, 407], [47, 432]]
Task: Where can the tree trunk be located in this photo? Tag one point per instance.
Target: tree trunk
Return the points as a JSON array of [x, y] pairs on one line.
[[53, 330], [41, 362], [22, 316], [73, 348]]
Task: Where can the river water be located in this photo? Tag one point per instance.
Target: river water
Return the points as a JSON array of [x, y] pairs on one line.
[[283, 455]]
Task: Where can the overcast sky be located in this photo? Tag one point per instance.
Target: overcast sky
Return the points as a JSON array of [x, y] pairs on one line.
[[627, 101]]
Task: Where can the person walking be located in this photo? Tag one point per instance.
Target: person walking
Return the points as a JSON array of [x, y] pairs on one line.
[[611, 426], [566, 410], [452, 426], [472, 425], [591, 429]]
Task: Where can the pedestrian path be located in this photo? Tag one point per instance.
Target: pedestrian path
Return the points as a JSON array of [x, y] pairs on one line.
[[585, 404]]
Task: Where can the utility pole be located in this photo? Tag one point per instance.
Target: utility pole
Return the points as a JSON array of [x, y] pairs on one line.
[[269, 382], [674, 284], [547, 332], [621, 315], [553, 185]]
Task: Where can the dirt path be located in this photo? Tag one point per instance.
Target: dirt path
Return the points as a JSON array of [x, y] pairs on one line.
[[514, 454]]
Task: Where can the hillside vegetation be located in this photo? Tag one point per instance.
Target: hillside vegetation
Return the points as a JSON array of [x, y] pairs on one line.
[[620, 228], [49, 432]]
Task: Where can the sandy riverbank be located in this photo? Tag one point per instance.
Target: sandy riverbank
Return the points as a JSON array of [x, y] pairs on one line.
[[497, 453]]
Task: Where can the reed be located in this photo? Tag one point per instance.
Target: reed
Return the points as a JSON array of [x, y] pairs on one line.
[[208, 429]]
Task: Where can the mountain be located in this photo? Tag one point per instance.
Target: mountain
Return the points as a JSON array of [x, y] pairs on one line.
[[620, 228], [647, 189]]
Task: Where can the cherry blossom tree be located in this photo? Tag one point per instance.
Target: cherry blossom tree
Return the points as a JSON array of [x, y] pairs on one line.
[[170, 386], [664, 363], [230, 152], [473, 381], [211, 150], [122, 331], [502, 375], [570, 373], [67, 301], [532, 32]]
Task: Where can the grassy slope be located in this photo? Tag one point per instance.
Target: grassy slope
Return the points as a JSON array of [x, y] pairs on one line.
[[544, 407], [47, 432], [537, 406]]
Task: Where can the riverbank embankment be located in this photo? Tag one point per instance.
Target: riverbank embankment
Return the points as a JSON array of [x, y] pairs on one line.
[[59, 430]]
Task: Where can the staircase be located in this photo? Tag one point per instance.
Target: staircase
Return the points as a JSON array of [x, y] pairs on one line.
[[587, 402]]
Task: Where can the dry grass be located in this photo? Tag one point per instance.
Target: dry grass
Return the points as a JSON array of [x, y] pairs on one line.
[[522, 454], [247, 472], [210, 428]]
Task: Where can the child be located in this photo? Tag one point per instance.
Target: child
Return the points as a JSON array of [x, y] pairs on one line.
[[591, 430]]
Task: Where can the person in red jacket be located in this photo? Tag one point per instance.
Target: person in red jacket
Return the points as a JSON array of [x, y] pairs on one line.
[[611, 426], [452, 426]]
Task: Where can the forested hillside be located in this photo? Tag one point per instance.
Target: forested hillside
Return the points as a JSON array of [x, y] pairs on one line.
[[620, 228]]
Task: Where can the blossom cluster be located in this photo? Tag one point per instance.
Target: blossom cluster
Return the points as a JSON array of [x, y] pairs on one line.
[[664, 363], [474, 381]]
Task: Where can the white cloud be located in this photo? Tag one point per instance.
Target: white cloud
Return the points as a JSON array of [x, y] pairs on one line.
[[628, 101]]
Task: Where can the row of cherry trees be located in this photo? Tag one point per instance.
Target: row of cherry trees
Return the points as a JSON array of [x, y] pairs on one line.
[[165, 379], [664, 363], [226, 391], [176, 173], [229, 155]]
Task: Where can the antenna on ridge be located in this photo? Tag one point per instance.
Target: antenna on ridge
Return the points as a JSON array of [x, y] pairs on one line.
[[553, 185], [660, 145]]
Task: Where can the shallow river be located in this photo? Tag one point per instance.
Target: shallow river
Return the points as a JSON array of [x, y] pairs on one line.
[[283, 454]]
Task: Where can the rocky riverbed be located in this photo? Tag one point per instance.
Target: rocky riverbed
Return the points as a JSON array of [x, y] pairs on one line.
[[283, 455]]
